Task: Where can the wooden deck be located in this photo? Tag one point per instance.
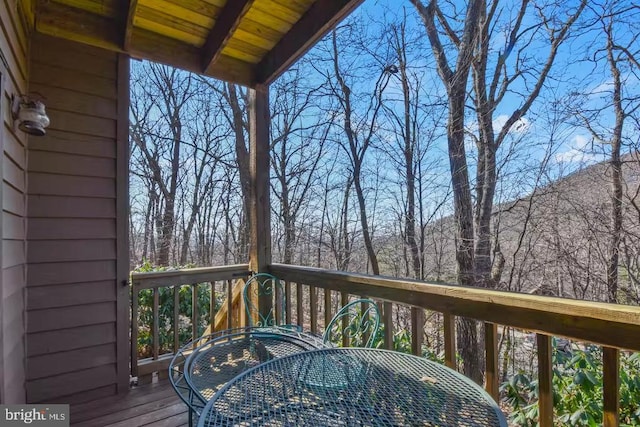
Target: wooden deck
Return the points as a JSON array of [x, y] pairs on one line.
[[155, 405]]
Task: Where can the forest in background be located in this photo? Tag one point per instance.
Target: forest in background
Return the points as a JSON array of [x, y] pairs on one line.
[[482, 143]]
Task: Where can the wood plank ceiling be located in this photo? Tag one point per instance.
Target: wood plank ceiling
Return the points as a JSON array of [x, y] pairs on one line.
[[250, 42]]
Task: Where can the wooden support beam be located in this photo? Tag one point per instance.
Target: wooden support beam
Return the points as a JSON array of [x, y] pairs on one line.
[[127, 18], [73, 24], [259, 204], [491, 349], [226, 24], [315, 23], [259, 167], [545, 381], [611, 383]]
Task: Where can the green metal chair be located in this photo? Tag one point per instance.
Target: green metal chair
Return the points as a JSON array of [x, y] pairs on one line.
[[357, 322], [262, 285]]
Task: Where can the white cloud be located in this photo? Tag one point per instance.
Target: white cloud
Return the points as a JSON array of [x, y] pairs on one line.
[[579, 152], [520, 126]]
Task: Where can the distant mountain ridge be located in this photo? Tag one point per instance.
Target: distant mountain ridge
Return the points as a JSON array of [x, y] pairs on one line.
[[555, 241]]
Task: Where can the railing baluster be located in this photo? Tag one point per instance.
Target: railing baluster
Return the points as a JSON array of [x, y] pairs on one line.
[[156, 324], [299, 305], [387, 312], [134, 329], [176, 318], [287, 296], [194, 311], [491, 348], [313, 300], [327, 307], [611, 384], [344, 300], [229, 304], [417, 330], [450, 340], [212, 304], [545, 383]]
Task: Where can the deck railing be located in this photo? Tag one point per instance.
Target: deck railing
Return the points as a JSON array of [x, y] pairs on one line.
[[220, 281], [614, 327], [312, 294]]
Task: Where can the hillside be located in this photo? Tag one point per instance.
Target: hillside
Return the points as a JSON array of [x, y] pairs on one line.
[[555, 240]]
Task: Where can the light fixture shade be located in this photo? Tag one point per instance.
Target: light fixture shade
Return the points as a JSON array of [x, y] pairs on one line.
[[32, 117]]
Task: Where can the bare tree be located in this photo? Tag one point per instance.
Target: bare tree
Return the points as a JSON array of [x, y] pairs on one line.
[[157, 132], [359, 129], [297, 147], [470, 44], [618, 24]]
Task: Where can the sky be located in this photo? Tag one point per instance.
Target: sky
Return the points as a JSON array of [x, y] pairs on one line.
[[572, 72]]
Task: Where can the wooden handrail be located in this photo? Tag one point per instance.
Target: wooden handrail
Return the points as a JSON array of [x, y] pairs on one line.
[[612, 325], [187, 276]]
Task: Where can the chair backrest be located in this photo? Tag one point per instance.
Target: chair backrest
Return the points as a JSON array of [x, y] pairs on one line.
[[357, 323], [261, 286]]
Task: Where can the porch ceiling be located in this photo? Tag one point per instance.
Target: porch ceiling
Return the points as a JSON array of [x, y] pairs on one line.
[[243, 41]]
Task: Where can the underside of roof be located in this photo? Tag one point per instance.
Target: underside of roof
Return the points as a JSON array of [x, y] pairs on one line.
[[250, 42]]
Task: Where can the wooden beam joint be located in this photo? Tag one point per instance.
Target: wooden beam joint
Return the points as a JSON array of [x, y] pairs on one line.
[[223, 30], [315, 23]]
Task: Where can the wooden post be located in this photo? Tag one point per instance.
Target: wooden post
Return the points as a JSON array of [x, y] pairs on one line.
[[611, 384], [259, 200], [450, 340], [545, 383], [491, 346]]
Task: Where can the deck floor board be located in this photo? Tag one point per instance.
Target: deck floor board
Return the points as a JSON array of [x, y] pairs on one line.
[[153, 405]]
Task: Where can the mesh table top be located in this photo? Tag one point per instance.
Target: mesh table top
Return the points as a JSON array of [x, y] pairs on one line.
[[351, 387], [211, 365]]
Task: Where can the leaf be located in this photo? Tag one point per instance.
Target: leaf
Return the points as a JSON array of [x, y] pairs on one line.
[[591, 377], [577, 415]]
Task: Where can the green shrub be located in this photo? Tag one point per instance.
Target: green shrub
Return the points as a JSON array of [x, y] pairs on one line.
[[577, 390]]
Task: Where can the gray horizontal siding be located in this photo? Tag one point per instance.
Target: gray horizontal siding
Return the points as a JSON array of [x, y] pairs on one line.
[[72, 236]]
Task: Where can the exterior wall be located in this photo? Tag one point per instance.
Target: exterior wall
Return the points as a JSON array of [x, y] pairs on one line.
[[14, 45], [75, 348]]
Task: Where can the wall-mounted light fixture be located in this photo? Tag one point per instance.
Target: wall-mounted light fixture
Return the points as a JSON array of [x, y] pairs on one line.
[[30, 114]]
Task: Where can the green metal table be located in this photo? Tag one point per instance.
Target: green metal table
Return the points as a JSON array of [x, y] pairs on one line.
[[199, 369], [351, 387]]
